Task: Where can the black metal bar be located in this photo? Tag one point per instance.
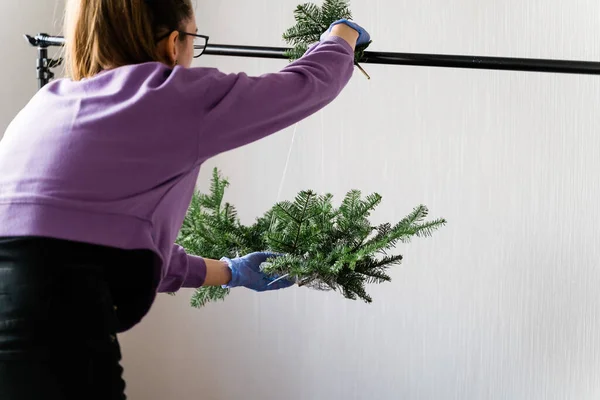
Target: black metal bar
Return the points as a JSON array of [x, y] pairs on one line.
[[414, 59], [44, 74], [490, 63], [430, 60], [246, 51], [44, 40]]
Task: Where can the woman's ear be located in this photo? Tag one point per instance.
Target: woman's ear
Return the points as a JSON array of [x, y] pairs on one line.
[[168, 49]]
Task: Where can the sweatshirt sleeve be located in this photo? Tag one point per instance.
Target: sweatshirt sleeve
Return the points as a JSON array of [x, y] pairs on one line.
[[241, 109], [183, 271]]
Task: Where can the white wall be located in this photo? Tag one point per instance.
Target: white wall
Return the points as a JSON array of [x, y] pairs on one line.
[[501, 304], [18, 80]]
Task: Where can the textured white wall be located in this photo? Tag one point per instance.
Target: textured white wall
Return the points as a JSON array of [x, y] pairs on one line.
[[17, 69], [500, 304]]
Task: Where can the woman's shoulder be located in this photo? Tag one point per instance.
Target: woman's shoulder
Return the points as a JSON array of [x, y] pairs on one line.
[[149, 75]]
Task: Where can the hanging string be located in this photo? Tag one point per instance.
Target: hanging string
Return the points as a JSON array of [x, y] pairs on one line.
[[322, 152], [281, 183], [287, 163]]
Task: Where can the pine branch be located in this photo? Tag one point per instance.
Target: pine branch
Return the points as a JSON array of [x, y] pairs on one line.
[[297, 51], [303, 200], [323, 247], [310, 15], [302, 33], [208, 294], [312, 21], [334, 10]]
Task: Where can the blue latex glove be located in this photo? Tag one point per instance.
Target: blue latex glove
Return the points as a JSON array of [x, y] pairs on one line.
[[363, 35], [245, 271]]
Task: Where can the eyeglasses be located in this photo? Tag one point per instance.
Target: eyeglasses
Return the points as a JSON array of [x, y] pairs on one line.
[[200, 42]]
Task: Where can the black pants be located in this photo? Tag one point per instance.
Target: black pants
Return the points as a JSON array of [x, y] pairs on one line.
[[61, 307]]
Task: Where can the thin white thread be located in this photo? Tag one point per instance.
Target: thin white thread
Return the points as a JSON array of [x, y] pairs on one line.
[[285, 168], [287, 163], [322, 152]]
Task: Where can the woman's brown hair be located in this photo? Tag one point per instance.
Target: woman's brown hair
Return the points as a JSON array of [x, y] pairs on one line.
[[103, 34]]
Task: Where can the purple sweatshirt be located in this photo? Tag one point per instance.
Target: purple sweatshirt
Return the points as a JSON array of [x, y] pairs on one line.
[[113, 160]]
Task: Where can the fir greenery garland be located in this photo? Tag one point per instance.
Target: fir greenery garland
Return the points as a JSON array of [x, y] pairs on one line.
[[321, 246]]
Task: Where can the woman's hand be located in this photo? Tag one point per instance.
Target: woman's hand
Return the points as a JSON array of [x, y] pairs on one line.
[[350, 31], [245, 271]]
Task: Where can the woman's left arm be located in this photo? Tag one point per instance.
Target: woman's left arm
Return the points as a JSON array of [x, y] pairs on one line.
[[188, 271], [218, 273]]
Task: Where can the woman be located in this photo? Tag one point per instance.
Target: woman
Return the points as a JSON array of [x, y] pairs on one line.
[[97, 173]]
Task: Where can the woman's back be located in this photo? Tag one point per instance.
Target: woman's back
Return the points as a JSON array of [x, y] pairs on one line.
[[113, 159], [109, 160], [106, 144]]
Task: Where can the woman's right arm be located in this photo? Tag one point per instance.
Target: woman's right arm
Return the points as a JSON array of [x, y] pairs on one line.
[[237, 109]]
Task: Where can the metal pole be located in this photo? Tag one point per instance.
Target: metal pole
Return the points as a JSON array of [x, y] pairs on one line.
[[44, 64], [43, 73], [429, 60], [389, 58]]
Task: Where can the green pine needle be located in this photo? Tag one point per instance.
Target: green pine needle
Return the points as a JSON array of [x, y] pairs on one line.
[[213, 293]]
